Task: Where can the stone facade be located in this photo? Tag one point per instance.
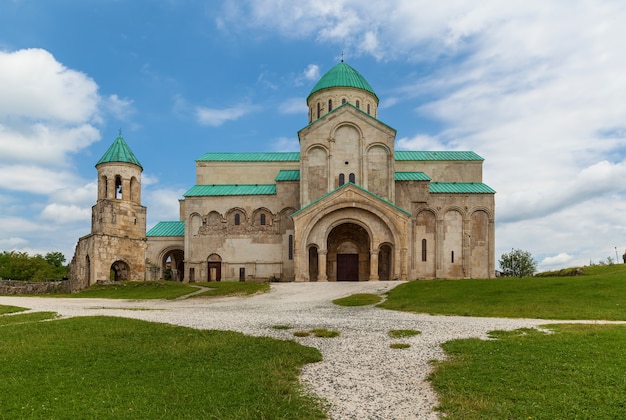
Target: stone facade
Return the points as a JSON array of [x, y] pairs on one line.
[[348, 206]]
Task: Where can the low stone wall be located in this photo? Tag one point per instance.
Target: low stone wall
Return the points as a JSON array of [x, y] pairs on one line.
[[15, 287]]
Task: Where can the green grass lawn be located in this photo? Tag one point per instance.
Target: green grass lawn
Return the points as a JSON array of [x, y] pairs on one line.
[[578, 372], [7, 309], [104, 367], [598, 294], [358, 299], [165, 290]]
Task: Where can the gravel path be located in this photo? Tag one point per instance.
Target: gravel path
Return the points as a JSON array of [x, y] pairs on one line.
[[361, 377]]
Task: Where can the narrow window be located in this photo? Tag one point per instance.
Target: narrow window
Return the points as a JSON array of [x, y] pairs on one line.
[[237, 219], [330, 105], [118, 187], [262, 220], [342, 179], [452, 256], [368, 109], [423, 249], [352, 178], [319, 108], [358, 104], [343, 101], [291, 247], [310, 114]]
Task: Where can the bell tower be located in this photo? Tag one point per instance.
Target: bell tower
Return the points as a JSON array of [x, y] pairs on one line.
[[115, 250]]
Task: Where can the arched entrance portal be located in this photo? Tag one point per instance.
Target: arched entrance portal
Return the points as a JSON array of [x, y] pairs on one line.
[[120, 271], [172, 265], [214, 268], [348, 247]]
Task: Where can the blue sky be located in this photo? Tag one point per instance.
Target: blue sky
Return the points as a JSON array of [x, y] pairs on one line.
[[537, 88]]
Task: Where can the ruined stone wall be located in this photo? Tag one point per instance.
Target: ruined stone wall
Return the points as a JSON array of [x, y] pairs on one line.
[[15, 287]]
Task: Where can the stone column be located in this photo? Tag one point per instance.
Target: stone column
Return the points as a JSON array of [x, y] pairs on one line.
[[321, 265], [374, 265], [404, 275]]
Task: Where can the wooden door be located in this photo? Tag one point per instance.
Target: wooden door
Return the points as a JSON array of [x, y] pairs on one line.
[[347, 267]]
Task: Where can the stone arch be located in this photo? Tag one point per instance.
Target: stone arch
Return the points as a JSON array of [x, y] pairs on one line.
[[118, 193], [236, 222], [425, 243], [171, 263], [195, 223], [262, 218], [385, 261], [453, 243], [378, 158], [120, 271], [103, 187], [285, 222], [313, 262], [348, 257], [135, 190], [316, 172], [214, 267], [479, 244]]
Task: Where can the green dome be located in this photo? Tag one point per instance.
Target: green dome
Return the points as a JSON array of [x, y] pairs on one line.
[[119, 152], [342, 75]]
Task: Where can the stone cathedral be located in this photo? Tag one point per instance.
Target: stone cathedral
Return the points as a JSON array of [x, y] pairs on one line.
[[347, 207]]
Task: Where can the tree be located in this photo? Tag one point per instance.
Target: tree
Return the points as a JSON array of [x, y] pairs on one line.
[[518, 263]]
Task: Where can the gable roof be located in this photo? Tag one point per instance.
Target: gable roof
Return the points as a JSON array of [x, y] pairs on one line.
[[119, 152], [379, 198], [167, 229], [230, 189]]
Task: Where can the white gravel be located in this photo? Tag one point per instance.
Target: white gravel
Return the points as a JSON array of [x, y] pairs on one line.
[[361, 377]]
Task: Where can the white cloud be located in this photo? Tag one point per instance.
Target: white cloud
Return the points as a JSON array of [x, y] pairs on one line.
[[120, 108], [215, 117], [63, 214], [419, 142], [34, 85], [312, 72], [285, 144], [293, 106], [559, 260]]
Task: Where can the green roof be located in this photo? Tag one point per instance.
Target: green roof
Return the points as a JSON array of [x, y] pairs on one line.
[[250, 157], [422, 155], [288, 175], [360, 188], [230, 189], [119, 152], [167, 229], [342, 75], [460, 188], [411, 176]]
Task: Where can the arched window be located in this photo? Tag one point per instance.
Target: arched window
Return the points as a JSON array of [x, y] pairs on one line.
[[342, 179], [423, 249], [452, 256], [310, 114], [352, 178], [343, 101], [368, 109], [262, 219], [319, 108], [358, 104], [291, 247], [237, 219], [330, 105]]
